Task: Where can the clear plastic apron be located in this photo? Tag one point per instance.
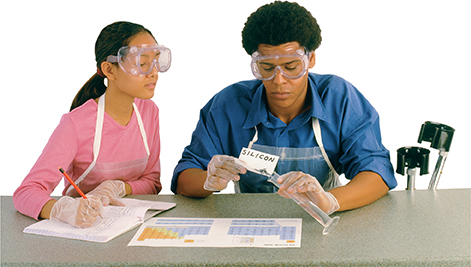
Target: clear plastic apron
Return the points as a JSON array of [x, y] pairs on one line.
[[311, 160], [98, 172]]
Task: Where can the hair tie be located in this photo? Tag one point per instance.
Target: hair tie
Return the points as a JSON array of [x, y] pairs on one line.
[[100, 73]]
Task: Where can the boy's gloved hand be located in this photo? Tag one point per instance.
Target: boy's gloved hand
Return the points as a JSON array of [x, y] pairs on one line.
[[221, 170], [307, 188]]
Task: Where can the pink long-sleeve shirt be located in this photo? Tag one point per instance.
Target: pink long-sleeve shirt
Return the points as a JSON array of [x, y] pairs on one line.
[[71, 147]]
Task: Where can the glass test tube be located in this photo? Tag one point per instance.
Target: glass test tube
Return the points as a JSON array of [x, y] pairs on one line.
[[311, 208]]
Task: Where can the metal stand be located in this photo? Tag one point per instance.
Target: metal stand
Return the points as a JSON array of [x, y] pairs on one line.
[[412, 158], [440, 136]]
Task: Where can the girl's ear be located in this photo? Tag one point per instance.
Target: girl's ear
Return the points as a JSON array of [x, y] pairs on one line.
[[108, 70]]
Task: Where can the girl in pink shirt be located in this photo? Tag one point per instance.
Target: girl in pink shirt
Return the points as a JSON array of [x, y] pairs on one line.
[[109, 142]]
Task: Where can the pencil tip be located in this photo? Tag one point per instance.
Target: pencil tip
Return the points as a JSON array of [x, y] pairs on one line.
[[60, 169]]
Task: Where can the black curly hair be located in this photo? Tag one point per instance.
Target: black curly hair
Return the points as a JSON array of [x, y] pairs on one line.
[[279, 23]]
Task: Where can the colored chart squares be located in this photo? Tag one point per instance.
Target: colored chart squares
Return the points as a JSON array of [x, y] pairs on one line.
[[285, 233], [254, 222], [172, 232], [184, 221]]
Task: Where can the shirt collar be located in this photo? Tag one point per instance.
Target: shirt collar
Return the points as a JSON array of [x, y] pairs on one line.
[[258, 109]]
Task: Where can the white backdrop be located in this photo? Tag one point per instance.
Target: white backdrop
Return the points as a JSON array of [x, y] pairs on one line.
[[411, 59]]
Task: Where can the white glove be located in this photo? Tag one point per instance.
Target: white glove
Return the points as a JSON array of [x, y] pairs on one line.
[[221, 170], [109, 191], [307, 188], [78, 212]]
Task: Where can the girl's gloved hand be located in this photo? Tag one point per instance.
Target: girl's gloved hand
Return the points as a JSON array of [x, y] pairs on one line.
[[109, 192], [221, 170], [78, 212], [306, 188]]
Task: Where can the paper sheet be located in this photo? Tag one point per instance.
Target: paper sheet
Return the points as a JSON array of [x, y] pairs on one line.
[[212, 232]]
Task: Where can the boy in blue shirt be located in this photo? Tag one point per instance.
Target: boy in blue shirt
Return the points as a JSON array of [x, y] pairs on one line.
[[319, 125]]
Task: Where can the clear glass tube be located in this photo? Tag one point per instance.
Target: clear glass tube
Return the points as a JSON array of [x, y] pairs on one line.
[[318, 214], [438, 170]]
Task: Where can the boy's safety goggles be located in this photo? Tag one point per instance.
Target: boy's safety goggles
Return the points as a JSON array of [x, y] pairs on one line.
[[291, 66], [141, 60]]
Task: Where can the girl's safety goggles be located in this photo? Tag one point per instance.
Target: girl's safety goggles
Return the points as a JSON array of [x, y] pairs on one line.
[[141, 60], [291, 66]]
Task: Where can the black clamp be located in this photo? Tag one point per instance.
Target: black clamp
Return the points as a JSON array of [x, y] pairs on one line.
[[412, 158], [440, 137]]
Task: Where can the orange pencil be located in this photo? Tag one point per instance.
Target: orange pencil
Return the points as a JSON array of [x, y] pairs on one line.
[[72, 183]]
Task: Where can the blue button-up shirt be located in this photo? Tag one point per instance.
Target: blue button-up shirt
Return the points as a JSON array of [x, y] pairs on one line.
[[349, 124]]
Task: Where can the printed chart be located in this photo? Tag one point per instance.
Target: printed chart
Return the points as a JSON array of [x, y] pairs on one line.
[[216, 232]]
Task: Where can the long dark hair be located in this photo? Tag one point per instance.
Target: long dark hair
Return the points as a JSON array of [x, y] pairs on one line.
[[110, 40]]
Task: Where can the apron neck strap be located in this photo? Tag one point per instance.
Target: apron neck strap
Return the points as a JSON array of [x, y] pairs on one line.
[[141, 128], [317, 134], [254, 139]]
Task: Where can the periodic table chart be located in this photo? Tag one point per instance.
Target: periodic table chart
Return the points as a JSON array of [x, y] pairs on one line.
[[219, 232]]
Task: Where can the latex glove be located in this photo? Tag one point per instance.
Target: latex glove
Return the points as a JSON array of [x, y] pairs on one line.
[[78, 212], [307, 188], [109, 191], [221, 170]]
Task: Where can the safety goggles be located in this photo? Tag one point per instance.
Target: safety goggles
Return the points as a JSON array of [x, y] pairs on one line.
[[291, 66], [141, 60]]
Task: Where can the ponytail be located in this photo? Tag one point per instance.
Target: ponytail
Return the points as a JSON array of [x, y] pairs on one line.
[[110, 40], [92, 89]]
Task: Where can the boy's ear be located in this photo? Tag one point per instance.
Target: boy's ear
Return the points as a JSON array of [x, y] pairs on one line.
[[312, 60]]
